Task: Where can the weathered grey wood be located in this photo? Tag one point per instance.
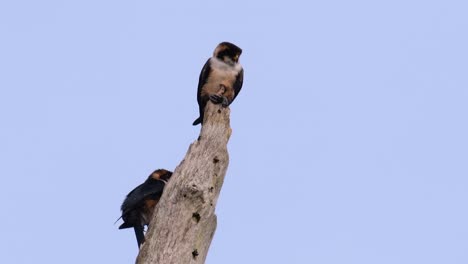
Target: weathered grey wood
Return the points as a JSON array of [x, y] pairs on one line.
[[184, 220]]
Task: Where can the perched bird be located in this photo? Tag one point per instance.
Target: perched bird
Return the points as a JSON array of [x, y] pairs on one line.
[[138, 206], [221, 78]]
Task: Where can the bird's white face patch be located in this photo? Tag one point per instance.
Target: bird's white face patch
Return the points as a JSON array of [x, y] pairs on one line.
[[217, 64]]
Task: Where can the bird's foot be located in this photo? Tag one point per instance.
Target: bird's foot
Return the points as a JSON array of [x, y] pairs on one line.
[[225, 102], [219, 99], [216, 99]]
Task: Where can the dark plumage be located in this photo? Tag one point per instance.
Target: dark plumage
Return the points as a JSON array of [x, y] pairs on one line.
[[138, 206], [221, 78]]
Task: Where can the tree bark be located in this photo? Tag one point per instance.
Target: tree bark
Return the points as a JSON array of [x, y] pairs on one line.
[[184, 220]]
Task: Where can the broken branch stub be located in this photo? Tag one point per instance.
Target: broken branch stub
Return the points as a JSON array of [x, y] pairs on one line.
[[184, 220]]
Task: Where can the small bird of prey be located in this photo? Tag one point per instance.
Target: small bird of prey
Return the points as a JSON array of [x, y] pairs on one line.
[[221, 78], [138, 206]]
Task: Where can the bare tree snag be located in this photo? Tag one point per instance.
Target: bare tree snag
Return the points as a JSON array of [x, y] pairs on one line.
[[184, 220]]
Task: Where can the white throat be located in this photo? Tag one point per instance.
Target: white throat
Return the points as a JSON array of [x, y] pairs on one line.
[[219, 64]]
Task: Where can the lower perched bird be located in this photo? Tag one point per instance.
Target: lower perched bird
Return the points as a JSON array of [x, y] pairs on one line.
[[138, 206], [221, 78]]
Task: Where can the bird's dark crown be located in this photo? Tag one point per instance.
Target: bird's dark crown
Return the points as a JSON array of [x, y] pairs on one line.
[[161, 174], [229, 50]]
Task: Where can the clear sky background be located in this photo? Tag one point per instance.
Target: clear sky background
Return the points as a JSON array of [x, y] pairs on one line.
[[349, 144]]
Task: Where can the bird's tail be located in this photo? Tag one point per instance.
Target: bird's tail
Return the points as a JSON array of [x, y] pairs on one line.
[[197, 121], [125, 225], [140, 235]]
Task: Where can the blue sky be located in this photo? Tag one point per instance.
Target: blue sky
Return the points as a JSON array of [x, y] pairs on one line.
[[349, 139]]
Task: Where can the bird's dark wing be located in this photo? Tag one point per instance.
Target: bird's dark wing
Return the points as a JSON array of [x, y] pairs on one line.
[[149, 188], [238, 83], [204, 74]]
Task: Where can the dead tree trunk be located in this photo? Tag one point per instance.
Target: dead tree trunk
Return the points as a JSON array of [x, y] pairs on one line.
[[184, 221]]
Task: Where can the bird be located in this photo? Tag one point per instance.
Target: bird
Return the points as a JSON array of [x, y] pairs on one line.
[[138, 206], [221, 78]]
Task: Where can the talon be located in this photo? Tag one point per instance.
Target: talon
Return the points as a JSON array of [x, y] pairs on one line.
[[216, 99], [225, 102]]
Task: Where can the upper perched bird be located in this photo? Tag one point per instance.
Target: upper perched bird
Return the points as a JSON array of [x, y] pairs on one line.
[[138, 206], [221, 78]]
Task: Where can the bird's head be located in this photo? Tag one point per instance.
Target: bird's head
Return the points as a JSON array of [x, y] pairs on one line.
[[161, 174], [227, 52]]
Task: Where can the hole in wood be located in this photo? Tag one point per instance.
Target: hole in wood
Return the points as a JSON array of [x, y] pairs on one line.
[[196, 216], [219, 111], [211, 189], [195, 254], [215, 160]]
